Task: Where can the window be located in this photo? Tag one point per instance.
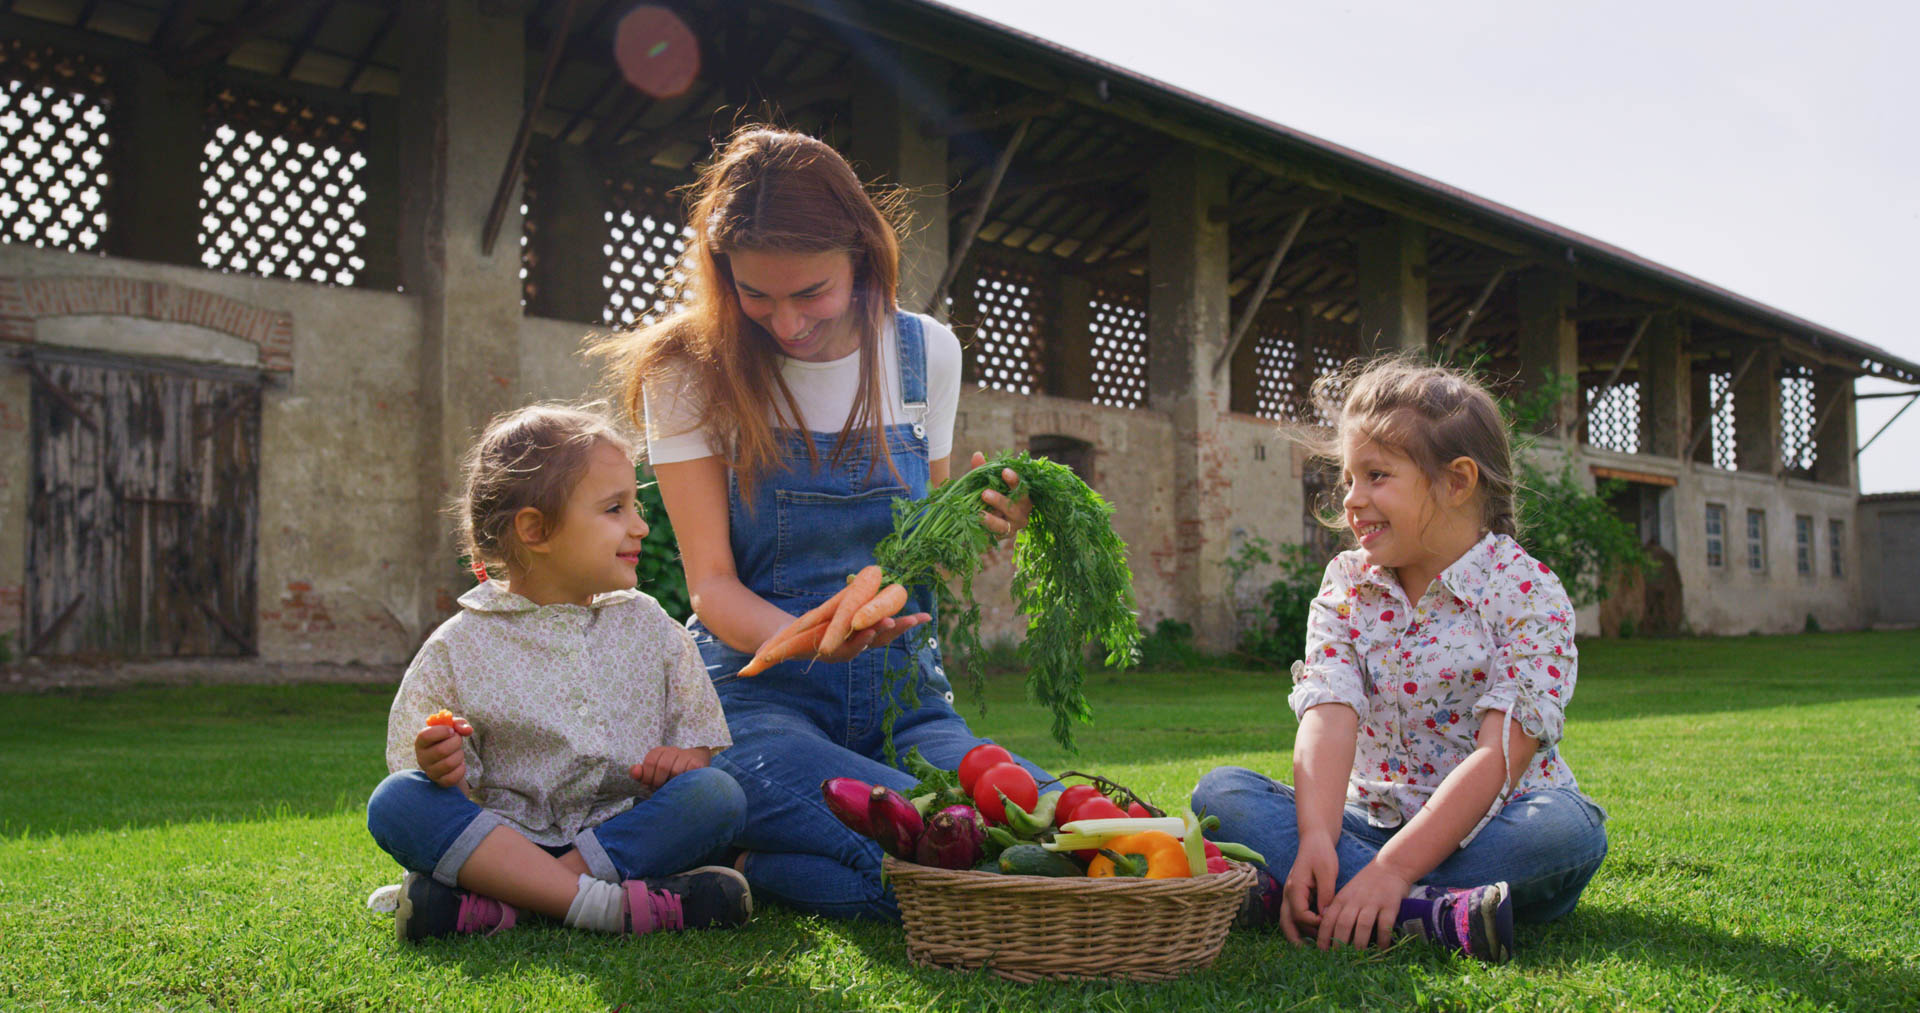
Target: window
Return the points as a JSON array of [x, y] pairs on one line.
[[1716, 535], [1836, 538], [53, 148], [1757, 541], [280, 195], [1803, 545]]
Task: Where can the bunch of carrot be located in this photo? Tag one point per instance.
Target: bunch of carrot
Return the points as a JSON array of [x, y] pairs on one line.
[[858, 606]]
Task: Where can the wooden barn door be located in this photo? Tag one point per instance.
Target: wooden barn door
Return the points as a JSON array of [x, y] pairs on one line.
[[143, 512]]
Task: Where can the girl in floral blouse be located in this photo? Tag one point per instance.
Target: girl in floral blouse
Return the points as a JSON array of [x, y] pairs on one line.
[[572, 779], [1429, 794]]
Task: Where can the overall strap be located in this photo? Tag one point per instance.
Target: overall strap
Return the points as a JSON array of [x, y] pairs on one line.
[[913, 364]]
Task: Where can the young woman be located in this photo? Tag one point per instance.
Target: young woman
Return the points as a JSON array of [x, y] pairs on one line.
[[787, 404]]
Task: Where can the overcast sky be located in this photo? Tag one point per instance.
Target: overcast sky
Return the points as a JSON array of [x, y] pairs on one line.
[[1767, 147]]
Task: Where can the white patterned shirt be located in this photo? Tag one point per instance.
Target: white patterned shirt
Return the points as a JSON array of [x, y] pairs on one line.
[[1493, 633], [563, 699]]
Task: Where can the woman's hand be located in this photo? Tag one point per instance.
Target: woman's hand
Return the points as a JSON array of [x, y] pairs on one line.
[[880, 634], [664, 763], [437, 751], [1367, 908], [1309, 888], [1004, 515]]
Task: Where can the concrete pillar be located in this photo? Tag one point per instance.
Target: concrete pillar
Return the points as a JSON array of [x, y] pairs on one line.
[[379, 249], [463, 89], [158, 126], [1703, 396], [1069, 348], [1756, 415], [1187, 326], [570, 245], [1393, 287], [1833, 447], [897, 93], [1549, 343], [1666, 387]]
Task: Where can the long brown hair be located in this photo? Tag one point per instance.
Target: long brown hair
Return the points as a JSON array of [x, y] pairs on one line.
[[1433, 414], [771, 191]]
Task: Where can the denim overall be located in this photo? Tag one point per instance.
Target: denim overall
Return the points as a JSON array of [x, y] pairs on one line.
[[801, 722]]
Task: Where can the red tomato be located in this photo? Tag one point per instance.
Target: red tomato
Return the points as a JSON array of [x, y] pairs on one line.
[[1014, 781], [1212, 852], [1137, 811], [1070, 801], [976, 762], [1101, 808]]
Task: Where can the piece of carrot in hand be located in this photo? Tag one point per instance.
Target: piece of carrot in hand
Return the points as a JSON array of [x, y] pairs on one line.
[[799, 645], [865, 585], [888, 602], [443, 718]]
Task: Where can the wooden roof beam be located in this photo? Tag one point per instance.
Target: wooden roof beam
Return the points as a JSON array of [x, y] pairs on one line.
[[307, 35], [1031, 107], [232, 35], [1053, 177]]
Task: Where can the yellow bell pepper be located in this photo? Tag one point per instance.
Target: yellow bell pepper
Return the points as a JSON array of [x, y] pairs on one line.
[[1151, 854]]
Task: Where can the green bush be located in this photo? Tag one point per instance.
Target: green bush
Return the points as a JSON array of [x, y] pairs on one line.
[[1563, 525], [1275, 630], [660, 573]]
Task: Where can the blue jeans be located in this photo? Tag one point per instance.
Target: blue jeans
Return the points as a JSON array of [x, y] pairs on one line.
[[799, 853], [795, 537], [1545, 844], [688, 821]]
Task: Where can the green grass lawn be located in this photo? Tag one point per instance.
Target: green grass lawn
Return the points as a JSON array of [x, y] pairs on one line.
[[188, 848]]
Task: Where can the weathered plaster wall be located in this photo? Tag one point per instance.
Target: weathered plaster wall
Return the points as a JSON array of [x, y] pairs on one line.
[[1731, 598], [338, 488], [1890, 542]]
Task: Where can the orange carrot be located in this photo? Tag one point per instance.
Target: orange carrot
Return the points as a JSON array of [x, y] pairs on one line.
[[889, 601], [807, 642], [443, 717], [865, 585], [815, 618]]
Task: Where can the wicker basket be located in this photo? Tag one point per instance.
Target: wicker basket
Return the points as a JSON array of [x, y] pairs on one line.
[[1031, 927]]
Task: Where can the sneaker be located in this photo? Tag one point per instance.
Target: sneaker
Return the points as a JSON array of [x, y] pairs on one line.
[[1260, 909], [710, 896], [428, 908], [1477, 922], [385, 899]]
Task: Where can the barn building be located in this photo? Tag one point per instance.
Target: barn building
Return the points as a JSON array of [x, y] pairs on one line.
[[268, 264]]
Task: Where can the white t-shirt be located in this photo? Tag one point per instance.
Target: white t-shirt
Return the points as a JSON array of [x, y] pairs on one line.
[[826, 392]]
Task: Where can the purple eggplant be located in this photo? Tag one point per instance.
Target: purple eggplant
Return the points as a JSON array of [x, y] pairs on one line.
[[953, 839], [847, 799], [896, 823]]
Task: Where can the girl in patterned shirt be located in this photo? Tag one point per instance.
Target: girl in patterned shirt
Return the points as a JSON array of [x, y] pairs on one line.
[[572, 780], [1429, 794]]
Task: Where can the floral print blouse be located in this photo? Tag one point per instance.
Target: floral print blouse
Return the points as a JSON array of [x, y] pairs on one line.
[[1493, 633], [563, 699]]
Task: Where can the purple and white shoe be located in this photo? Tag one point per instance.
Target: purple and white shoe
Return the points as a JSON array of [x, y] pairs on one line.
[[1476, 921]]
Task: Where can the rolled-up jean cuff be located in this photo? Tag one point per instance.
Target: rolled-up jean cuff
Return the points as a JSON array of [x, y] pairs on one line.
[[598, 863], [447, 870]]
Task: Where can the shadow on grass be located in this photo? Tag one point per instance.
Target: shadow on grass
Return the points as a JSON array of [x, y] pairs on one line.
[[781, 960], [1817, 972]]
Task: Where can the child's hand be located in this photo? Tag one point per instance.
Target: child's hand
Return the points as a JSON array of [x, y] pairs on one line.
[[1309, 889], [437, 752], [664, 763], [1004, 516], [1365, 909]]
